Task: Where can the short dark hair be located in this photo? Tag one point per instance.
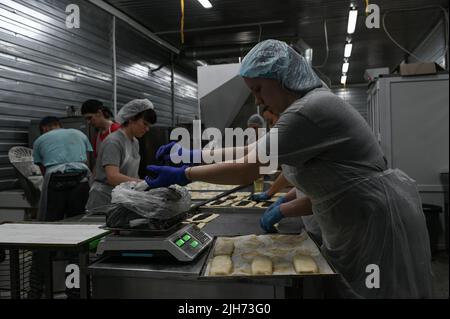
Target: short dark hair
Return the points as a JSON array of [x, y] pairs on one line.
[[148, 116], [49, 121], [93, 106]]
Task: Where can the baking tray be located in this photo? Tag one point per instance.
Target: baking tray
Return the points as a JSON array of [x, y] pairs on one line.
[[325, 269]]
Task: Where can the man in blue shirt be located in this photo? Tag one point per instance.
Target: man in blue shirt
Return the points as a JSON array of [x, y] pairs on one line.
[[62, 155]]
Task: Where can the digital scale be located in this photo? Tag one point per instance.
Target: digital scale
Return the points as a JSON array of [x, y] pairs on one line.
[[184, 242]]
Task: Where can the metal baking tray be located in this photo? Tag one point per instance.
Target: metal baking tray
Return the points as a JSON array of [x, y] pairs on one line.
[[264, 278]]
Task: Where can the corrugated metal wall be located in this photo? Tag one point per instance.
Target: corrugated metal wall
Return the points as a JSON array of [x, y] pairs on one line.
[[45, 67], [356, 95], [136, 58]]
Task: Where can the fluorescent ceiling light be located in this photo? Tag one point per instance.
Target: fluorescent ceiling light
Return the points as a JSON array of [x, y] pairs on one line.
[[343, 79], [348, 50], [345, 67], [205, 3], [352, 16]]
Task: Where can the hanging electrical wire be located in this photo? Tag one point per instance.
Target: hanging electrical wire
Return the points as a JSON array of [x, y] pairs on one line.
[[326, 46], [182, 22], [159, 67], [415, 9], [260, 33], [367, 5]]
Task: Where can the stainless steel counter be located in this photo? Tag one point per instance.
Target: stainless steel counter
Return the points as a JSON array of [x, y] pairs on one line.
[[166, 278]]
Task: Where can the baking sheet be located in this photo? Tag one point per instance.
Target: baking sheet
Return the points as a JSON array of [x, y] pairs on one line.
[[196, 195], [202, 186], [278, 247]]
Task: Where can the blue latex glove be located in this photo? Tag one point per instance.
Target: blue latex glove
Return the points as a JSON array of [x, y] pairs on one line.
[[259, 197], [166, 176], [279, 201], [270, 217], [164, 152]]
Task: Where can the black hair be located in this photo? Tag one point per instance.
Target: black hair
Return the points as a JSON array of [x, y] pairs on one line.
[[49, 121], [148, 116], [93, 106]]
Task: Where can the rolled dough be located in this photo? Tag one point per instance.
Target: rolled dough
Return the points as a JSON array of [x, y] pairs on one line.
[[224, 247], [221, 266], [305, 264], [262, 265]]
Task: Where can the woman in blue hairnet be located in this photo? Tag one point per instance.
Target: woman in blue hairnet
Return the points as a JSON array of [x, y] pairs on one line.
[[370, 216]]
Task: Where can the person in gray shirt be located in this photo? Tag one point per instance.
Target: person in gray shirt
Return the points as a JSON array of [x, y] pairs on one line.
[[370, 216], [118, 159]]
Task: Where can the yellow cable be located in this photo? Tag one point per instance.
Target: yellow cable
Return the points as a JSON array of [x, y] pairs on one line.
[[182, 22], [367, 4]]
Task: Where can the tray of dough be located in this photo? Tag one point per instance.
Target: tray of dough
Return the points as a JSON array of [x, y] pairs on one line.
[[265, 256], [202, 186]]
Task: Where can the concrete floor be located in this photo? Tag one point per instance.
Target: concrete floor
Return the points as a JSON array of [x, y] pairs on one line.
[[440, 268]]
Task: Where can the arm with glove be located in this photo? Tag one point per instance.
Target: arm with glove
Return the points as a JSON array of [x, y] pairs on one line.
[[280, 183], [173, 152], [285, 207]]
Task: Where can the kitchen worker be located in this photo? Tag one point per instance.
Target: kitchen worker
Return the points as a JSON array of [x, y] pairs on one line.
[[255, 122], [99, 117], [281, 182], [61, 155], [308, 221], [118, 158], [370, 216]]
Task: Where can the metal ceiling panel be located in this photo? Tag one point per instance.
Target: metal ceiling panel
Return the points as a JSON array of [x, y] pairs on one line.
[[301, 19]]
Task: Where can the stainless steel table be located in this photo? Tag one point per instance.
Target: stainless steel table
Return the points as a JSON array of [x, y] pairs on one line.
[[162, 278], [48, 238]]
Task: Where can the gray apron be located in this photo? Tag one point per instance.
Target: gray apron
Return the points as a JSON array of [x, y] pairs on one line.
[[100, 193]]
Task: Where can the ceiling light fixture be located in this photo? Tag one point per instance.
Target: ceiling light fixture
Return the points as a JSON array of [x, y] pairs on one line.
[[345, 67], [205, 3], [343, 79], [348, 50], [352, 17]]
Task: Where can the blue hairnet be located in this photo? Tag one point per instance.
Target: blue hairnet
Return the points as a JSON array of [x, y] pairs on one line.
[[273, 59], [256, 119]]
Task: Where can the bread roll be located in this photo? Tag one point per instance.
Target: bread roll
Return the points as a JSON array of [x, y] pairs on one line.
[[305, 264], [221, 266], [224, 247], [262, 265]]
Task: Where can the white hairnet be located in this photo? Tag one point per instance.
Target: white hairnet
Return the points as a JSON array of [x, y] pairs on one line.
[[133, 108], [273, 59], [256, 119]]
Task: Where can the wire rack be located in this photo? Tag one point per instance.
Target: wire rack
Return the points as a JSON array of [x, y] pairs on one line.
[[25, 258], [25, 265]]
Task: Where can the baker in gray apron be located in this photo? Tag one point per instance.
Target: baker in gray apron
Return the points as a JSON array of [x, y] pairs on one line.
[[118, 158], [370, 216]]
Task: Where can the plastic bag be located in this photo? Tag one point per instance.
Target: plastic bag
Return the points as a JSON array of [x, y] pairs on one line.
[[157, 208]]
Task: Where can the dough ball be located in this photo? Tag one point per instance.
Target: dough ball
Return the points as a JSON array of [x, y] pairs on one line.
[[224, 247], [305, 264], [221, 266], [262, 265]]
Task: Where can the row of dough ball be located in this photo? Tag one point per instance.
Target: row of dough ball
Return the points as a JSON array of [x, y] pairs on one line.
[[222, 265]]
